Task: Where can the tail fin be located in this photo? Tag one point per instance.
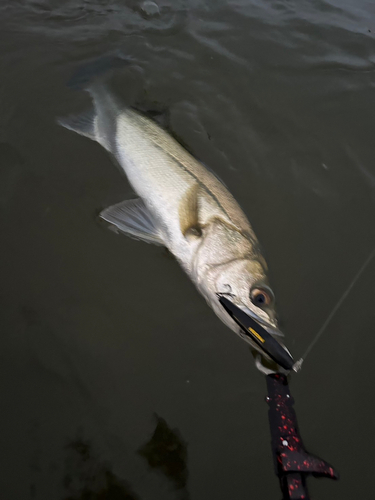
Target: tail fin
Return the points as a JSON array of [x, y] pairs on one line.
[[98, 124], [84, 124]]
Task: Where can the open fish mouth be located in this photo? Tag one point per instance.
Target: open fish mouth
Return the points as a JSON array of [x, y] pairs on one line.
[[252, 328]]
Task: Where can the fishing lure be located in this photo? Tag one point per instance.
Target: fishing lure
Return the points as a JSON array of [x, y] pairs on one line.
[[252, 329]]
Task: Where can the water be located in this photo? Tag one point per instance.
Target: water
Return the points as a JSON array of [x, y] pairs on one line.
[[117, 381]]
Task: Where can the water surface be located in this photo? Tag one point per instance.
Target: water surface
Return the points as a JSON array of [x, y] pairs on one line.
[[116, 378]]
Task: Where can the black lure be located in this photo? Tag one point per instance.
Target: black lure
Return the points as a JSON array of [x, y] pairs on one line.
[[258, 334]]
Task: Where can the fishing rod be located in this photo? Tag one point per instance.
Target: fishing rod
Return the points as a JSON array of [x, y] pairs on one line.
[[292, 462]]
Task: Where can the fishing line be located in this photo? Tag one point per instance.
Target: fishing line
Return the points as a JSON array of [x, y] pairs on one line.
[[298, 364]]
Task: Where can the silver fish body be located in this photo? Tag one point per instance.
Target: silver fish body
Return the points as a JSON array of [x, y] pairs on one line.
[[181, 205]]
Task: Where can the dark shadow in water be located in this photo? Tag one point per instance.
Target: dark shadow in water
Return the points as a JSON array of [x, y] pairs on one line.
[[167, 452], [87, 478]]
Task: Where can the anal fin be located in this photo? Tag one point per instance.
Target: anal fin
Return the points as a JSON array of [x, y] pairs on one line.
[[133, 218]]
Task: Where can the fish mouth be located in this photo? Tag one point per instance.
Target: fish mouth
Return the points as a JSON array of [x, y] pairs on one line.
[[255, 330], [272, 330]]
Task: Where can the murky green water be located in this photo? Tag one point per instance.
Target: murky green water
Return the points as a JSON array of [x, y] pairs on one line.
[[117, 381]]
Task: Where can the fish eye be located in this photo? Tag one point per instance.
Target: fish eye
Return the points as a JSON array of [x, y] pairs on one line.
[[261, 297]]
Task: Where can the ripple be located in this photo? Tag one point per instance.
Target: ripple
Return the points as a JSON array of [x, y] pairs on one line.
[[79, 20]]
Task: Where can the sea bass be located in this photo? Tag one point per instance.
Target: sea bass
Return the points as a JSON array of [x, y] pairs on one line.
[[183, 206]]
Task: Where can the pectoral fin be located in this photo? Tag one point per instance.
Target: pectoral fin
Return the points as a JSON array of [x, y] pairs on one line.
[[133, 218], [189, 213]]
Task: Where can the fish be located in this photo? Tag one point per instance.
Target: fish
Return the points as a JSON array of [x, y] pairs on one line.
[[183, 206]]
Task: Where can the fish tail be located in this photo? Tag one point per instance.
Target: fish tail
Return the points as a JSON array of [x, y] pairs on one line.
[[83, 123], [97, 123]]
